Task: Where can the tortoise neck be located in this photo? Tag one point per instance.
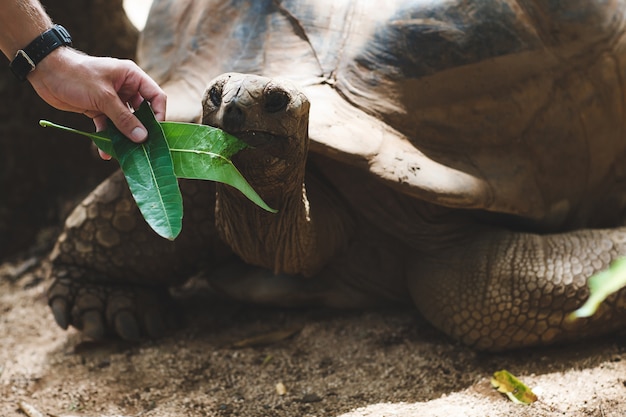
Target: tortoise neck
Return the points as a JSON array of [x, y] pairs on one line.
[[309, 228], [281, 241]]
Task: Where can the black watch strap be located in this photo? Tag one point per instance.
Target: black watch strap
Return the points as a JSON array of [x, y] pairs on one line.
[[27, 59]]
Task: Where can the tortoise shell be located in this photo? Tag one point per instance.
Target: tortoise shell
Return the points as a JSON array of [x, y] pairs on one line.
[[500, 105]]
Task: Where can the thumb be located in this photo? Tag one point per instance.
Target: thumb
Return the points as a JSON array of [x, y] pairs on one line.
[[126, 121]]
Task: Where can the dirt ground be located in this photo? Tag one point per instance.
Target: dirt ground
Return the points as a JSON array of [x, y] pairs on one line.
[[236, 360]]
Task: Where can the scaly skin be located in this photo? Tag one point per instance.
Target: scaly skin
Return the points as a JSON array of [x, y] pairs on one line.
[[502, 290], [340, 238], [112, 271]]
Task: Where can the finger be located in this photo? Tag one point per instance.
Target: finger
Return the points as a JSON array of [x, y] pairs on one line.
[[124, 120], [135, 101], [104, 155], [158, 104], [100, 122], [150, 90]]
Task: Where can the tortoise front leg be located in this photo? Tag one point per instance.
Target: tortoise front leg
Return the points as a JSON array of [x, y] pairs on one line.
[[111, 272], [504, 290]]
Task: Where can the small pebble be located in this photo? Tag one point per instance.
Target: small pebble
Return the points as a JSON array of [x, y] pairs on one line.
[[281, 389]]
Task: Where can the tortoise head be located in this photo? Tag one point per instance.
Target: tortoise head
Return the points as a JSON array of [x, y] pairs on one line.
[[270, 115]]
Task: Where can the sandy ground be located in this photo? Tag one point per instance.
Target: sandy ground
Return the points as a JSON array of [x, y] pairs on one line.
[[333, 364]]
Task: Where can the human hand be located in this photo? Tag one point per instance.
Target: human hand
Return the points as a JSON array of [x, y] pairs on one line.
[[98, 88]]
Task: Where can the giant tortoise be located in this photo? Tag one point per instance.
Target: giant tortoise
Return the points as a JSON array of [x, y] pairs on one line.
[[465, 157]]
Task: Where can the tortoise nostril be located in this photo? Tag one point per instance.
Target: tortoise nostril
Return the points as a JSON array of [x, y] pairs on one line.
[[234, 118], [276, 100]]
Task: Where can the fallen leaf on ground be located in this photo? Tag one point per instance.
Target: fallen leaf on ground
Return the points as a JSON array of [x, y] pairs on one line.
[[508, 384]]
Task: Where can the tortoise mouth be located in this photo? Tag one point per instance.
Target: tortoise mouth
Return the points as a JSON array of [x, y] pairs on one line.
[[257, 138]]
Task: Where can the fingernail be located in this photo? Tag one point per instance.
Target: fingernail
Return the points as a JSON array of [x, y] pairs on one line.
[[138, 134]]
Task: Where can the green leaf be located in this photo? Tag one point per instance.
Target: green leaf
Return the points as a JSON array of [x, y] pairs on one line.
[[148, 169], [204, 152], [601, 285], [149, 172], [196, 152], [101, 139], [506, 383]]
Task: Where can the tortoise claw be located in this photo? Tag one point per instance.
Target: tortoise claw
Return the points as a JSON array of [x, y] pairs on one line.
[[155, 327], [126, 326], [61, 312], [99, 309], [93, 326]]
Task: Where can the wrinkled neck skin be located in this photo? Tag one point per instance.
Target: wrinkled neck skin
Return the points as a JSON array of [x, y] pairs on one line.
[[309, 228]]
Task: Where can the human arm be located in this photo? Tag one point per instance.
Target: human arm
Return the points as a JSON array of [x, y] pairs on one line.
[[72, 81]]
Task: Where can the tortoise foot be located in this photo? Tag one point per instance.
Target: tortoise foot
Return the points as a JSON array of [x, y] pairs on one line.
[[100, 311]]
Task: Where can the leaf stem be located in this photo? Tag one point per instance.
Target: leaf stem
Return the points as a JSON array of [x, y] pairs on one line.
[[45, 123]]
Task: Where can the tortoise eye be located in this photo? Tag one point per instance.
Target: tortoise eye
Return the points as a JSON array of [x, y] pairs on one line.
[[215, 95], [276, 100]]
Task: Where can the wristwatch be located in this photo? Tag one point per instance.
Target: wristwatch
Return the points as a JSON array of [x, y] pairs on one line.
[[27, 59]]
